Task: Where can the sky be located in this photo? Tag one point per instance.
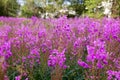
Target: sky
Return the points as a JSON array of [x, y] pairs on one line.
[[21, 2]]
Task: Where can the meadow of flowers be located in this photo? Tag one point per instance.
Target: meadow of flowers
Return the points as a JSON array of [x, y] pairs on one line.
[[59, 49]]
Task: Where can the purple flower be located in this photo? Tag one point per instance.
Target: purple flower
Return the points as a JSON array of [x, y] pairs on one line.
[[5, 50], [100, 65], [26, 79], [113, 75], [57, 58], [18, 77], [35, 51], [83, 64]]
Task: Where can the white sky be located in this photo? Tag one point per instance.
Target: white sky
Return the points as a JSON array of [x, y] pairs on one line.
[[21, 2]]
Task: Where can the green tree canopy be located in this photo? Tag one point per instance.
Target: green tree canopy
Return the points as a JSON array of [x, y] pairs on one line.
[[9, 7]]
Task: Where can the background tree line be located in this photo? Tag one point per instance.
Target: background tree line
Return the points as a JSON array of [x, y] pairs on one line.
[[9, 7], [38, 7]]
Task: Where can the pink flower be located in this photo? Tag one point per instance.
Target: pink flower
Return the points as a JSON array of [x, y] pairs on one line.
[[83, 64], [18, 77]]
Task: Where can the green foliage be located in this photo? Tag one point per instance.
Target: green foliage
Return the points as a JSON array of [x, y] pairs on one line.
[[41, 74], [91, 8], [78, 8], [74, 71], [42, 71], [9, 7], [28, 8], [87, 8], [12, 73], [38, 7]]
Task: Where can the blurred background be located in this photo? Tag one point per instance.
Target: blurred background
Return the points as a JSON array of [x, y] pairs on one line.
[[56, 8]]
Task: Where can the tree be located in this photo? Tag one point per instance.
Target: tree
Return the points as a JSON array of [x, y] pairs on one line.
[[9, 7], [91, 8], [116, 8], [78, 6], [38, 7], [28, 8]]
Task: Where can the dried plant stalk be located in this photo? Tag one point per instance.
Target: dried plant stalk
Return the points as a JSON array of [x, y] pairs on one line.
[[1, 68], [57, 74]]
